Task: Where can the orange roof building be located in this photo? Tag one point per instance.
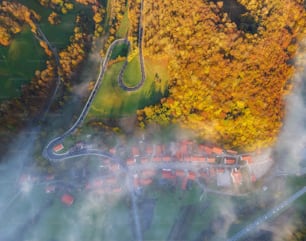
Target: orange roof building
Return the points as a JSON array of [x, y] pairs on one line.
[[167, 158], [211, 160], [148, 173], [159, 149], [247, 158], [130, 161], [67, 199], [229, 160], [217, 150], [145, 181], [58, 147], [135, 151], [192, 175], [180, 173], [167, 174]]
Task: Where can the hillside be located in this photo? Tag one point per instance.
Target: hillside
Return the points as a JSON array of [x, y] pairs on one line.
[[230, 66]]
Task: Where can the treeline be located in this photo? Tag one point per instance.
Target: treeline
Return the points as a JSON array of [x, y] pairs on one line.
[[15, 113], [226, 84], [13, 16]]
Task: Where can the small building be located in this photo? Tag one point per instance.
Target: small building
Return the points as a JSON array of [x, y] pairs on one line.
[[167, 158], [229, 160], [145, 181], [180, 173], [159, 150], [67, 199], [148, 173], [135, 151], [130, 161], [167, 174], [247, 158], [58, 147], [192, 175], [211, 160], [217, 150]]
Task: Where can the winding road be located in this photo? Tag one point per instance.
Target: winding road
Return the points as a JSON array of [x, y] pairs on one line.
[[121, 83]]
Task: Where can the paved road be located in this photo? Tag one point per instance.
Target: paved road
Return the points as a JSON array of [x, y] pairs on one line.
[[268, 215], [121, 83], [48, 150]]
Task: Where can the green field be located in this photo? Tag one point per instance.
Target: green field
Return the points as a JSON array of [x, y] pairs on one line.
[[58, 34], [132, 74], [124, 26], [24, 55], [112, 101], [19, 62]]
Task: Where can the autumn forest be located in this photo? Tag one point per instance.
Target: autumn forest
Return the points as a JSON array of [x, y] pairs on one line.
[[230, 63]]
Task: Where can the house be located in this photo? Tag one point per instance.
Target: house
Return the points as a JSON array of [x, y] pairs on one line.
[[144, 160], [247, 158], [148, 173], [112, 151], [229, 160], [135, 151], [157, 159], [217, 150], [192, 175], [159, 150], [167, 174], [67, 199], [180, 173], [58, 147], [149, 150], [231, 152], [145, 181], [211, 160], [130, 161], [167, 158]]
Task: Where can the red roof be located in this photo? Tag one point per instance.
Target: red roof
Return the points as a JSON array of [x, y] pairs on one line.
[[247, 158], [149, 150], [230, 160], [130, 161], [232, 152], [180, 173], [192, 175], [167, 174], [157, 159], [159, 150], [144, 160], [167, 158], [220, 170], [112, 151], [211, 160], [58, 148], [217, 150], [184, 183], [146, 181], [67, 199], [135, 151], [147, 173]]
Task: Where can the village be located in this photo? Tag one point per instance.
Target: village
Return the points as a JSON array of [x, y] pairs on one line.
[[178, 165]]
